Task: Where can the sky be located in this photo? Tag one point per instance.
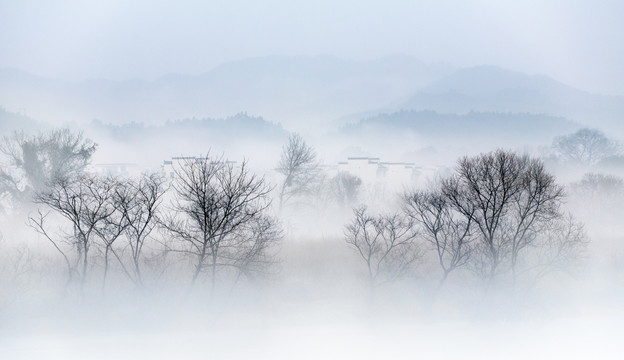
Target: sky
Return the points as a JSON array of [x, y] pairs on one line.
[[580, 43]]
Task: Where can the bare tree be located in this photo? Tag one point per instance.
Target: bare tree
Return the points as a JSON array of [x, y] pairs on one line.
[[84, 201], [252, 250], [508, 198], [139, 201], [442, 226], [101, 211], [218, 212], [599, 200], [536, 206], [482, 190], [586, 146], [111, 227], [594, 185], [299, 165], [561, 245], [386, 244]]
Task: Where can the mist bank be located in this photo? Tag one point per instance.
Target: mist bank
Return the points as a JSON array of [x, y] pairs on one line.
[[424, 138], [16, 121], [236, 137], [310, 94], [317, 284], [490, 129], [319, 288]]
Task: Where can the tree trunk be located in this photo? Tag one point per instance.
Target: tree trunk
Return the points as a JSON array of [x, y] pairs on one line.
[[105, 268], [85, 263]]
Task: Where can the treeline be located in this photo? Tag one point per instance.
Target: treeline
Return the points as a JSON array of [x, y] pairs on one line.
[[10, 121], [217, 221], [499, 217], [239, 125], [216, 217], [487, 124]]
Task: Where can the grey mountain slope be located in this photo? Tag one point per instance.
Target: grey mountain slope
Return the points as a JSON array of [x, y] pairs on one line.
[[282, 89], [487, 80], [492, 89], [240, 137], [306, 92], [11, 122], [518, 128]]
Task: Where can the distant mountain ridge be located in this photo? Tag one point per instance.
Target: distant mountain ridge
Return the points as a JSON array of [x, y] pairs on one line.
[[518, 127], [304, 93], [10, 122], [492, 89], [487, 80], [290, 90]]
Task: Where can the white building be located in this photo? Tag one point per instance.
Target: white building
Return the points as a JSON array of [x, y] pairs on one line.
[[372, 170]]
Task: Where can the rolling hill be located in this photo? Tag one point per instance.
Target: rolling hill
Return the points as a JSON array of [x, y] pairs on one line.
[[296, 91], [492, 89]]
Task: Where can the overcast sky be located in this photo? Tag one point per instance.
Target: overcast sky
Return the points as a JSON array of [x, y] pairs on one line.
[[578, 42]]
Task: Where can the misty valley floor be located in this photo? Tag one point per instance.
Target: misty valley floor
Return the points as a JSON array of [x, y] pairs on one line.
[[324, 320], [579, 337]]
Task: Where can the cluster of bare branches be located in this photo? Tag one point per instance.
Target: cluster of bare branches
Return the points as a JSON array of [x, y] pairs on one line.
[[586, 147], [387, 243], [442, 227], [101, 211], [500, 208], [300, 168], [499, 215], [599, 199], [218, 220], [221, 218], [306, 186]]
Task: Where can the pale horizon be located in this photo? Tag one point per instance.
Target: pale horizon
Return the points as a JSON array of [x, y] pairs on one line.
[[576, 43]]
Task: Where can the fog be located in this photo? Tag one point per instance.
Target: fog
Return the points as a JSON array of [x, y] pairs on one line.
[[576, 43], [285, 180]]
